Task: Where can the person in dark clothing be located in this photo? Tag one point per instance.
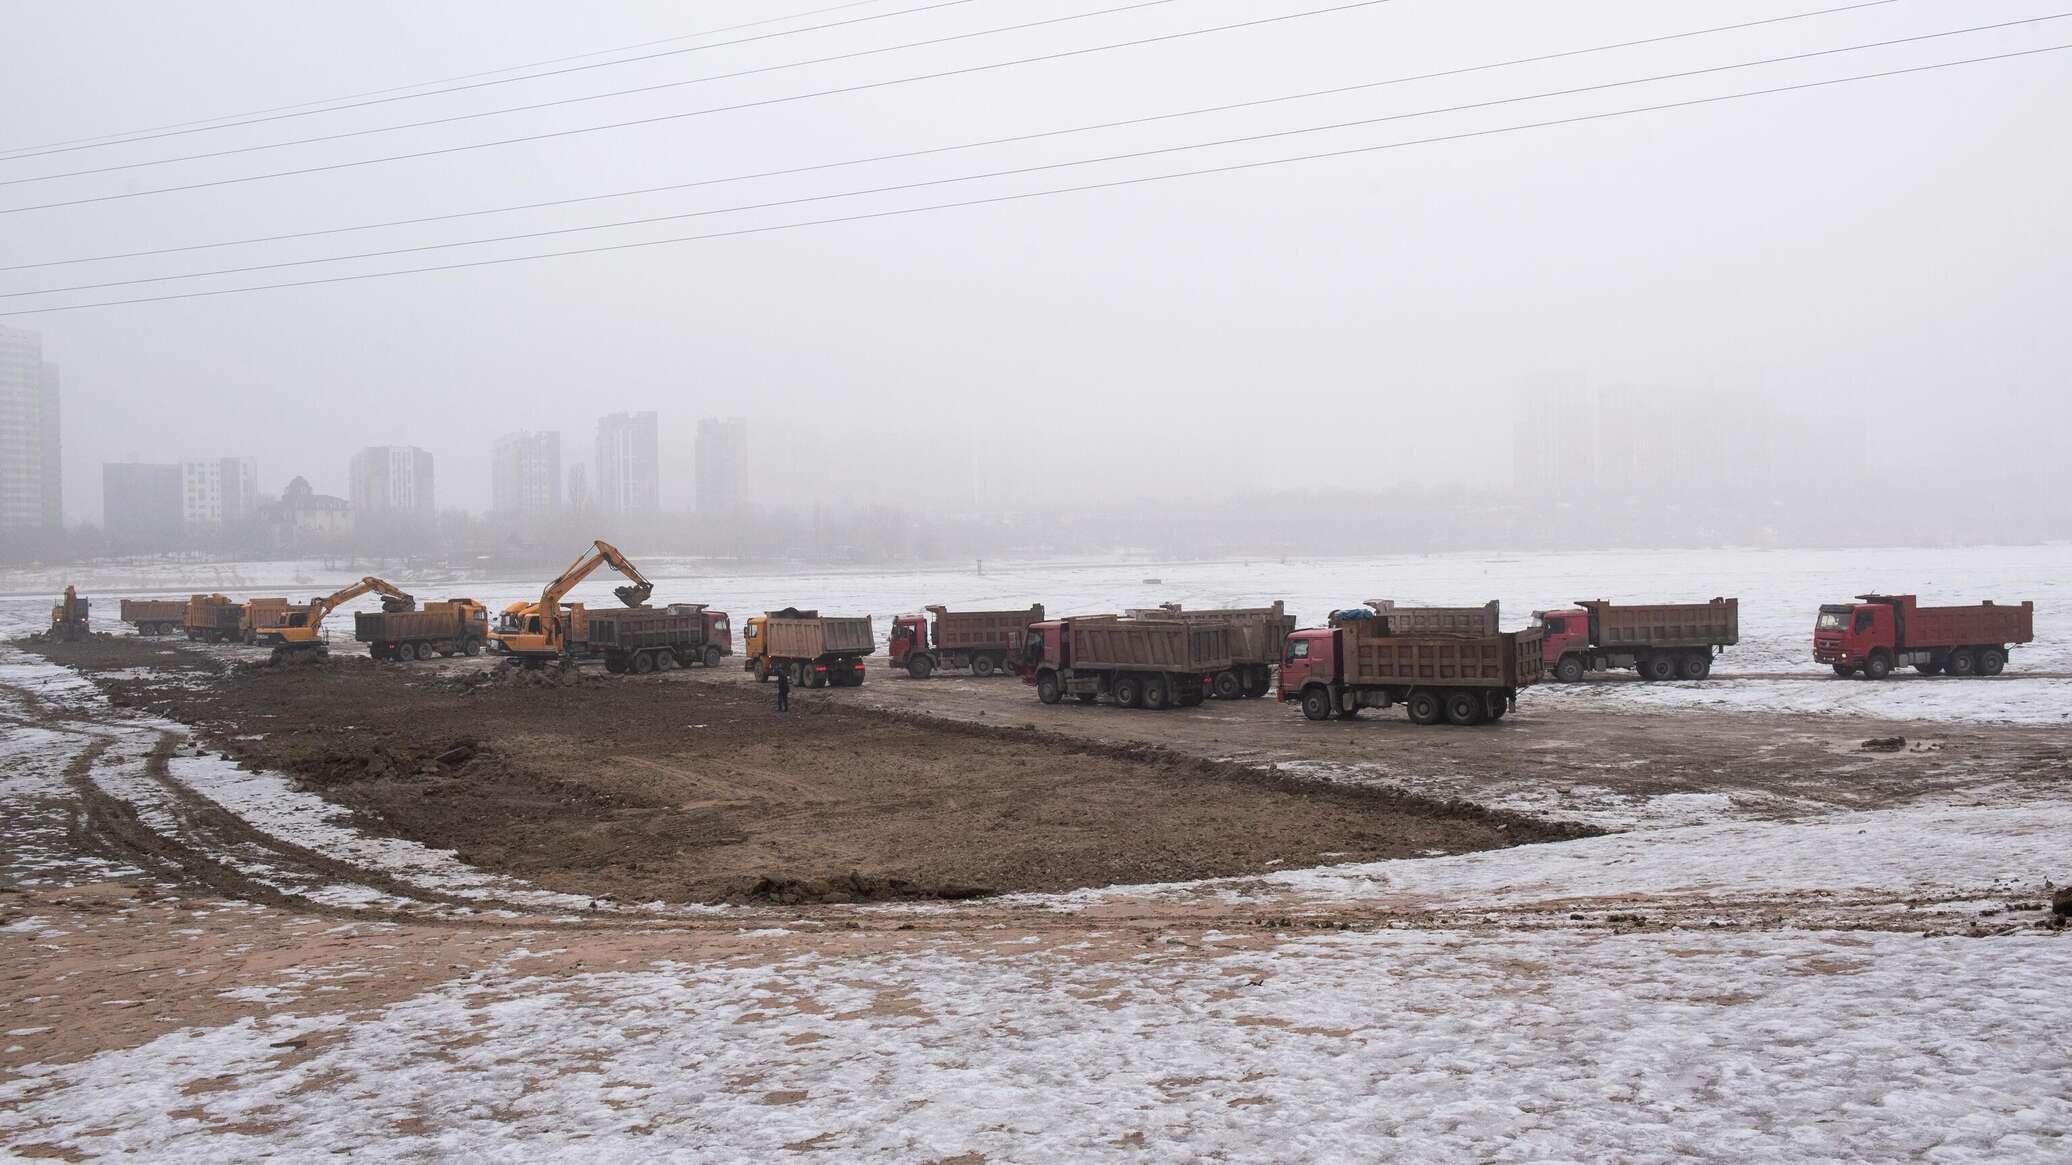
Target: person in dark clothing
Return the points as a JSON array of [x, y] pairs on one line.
[[783, 690]]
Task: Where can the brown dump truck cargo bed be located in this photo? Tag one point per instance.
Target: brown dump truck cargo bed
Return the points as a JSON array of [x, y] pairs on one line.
[[441, 620], [1973, 626], [813, 637], [955, 630], [1256, 633], [1632, 625], [1480, 620], [1170, 645], [633, 628], [153, 610], [1509, 659]]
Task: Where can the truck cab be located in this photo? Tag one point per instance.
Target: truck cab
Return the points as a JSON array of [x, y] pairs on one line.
[[1845, 634], [909, 634], [1308, 656], [719, 631], [1565, 632], [1042, 650], [753, 647]]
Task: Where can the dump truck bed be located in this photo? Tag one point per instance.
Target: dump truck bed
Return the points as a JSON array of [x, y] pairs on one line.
[[1169, 645], [1478, 621], [153, 610], [1974, 626], [1256, 633], [1508, 659], [1636, 625], [634, 628], [955, 630], [441, 620], [817, 636]]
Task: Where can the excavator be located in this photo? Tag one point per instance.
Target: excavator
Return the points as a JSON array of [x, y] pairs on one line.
[[304, 629], [68, 619], [536, 633]]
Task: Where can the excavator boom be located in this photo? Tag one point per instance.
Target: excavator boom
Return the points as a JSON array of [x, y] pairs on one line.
[[551, 637], [307, 631]]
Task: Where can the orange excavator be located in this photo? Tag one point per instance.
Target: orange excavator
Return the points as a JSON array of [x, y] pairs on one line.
[[304, 629], [68, 620], [538, 633]]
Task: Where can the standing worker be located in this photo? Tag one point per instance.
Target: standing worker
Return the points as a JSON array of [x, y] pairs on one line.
[[783, 689]]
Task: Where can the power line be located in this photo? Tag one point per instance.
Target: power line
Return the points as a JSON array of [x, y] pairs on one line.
[[964, 71], [952, 148], [1035, 169], [256, 116], [1235, 167]]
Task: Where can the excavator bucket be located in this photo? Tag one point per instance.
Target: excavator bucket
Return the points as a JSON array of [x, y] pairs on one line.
[[394, 605], [634, 594]]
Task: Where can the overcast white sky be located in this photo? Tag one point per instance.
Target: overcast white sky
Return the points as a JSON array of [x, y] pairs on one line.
[[1900, 240]]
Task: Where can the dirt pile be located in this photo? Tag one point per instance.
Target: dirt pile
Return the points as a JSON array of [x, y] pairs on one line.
[[511, 676]]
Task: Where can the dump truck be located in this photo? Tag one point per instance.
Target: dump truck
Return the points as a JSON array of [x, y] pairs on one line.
[[1360, 662], [444, 628], [263, 613], [1255, 643], [978, 641], [1661, 641], [645, 639], [70, 620], [815, 650], [1140, 663], [154, 616], [213, 619], [535, 634], [1877, 633]]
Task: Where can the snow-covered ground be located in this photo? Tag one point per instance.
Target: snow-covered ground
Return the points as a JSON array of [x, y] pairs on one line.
[[1780, 592]]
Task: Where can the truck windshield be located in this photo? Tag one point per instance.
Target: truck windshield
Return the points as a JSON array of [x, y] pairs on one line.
[[1833, 619]]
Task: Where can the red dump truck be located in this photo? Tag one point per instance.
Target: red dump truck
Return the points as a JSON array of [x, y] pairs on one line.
[[1360, 662], [981, 641], [645, 639], [444, 628], [213, 619], [155, 616], [1142, 663], [1880, 632], [1257, 634], [816, 650], [1661, 641]]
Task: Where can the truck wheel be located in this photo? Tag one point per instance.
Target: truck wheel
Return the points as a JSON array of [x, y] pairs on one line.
[[1494, 705], [1695, 666], [1960, 663], [1087, 697], [981, 665], [665, 661], [615, 664], [1845, 670], [471, 647], [1316, 704], [1129, 691], [1569, 670], [1423, 708], [641, 663], [407, 652], [1464, 707], [1878, 666], [1047, 689], [1158, 694], [1227, 686], [919, 667], [762, 671], [1991, 661], [1658, 667], [712, 655], [1930, 668]]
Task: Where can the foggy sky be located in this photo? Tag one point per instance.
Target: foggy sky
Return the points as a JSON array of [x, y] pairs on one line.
[[1869, 256]]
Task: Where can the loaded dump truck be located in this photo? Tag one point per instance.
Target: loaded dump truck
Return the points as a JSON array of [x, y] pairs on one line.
[[1142, 663], [154, 616], [1661, 641], [981, 641], [646, 639], [1880, 632], [1360, 662], [1480, 620], [213, 619], [815, 650], [1257, 634], [444, 628]]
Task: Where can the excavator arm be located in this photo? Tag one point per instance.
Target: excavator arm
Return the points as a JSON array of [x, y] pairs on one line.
[[633, 594], [305, 631]]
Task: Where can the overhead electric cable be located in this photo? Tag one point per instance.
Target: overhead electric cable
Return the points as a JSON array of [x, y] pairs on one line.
[[1230, 168], [958, 72], [331, 104], [1021, 170], [1463, 70]]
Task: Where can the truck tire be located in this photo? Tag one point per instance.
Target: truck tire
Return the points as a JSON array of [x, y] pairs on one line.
[[1227, 686], [665, 661], [1696, 665], [1158, 693], [1960, 662], [641, 663], [471, 647], [1464, 708], [1991, 661], [1129, 691], [615, 664], [1495, 704], [1931, 668], [1878, 666], [406, 651], [919, 667], [1845, 670], [1087, 697], [712, 655], [1047, 689], [1658, 667], [981, 665], [1569, 670], [1316, 704], [762, 671], [1261, 683], [1424, 708]]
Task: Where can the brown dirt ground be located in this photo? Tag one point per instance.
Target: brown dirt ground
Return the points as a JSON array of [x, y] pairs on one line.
[[682, 788]]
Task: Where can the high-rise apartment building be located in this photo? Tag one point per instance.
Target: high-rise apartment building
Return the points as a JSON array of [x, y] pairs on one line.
[[222, 491], [628, 464], [525, 474], [391, 479], [721, 459], [31, 456]]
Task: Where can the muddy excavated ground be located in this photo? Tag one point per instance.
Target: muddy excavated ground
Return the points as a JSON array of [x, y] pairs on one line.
[[693, 788]]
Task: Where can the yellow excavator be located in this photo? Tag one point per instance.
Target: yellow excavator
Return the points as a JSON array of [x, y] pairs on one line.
[[537, 633], [304, 629], [68, 619]]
